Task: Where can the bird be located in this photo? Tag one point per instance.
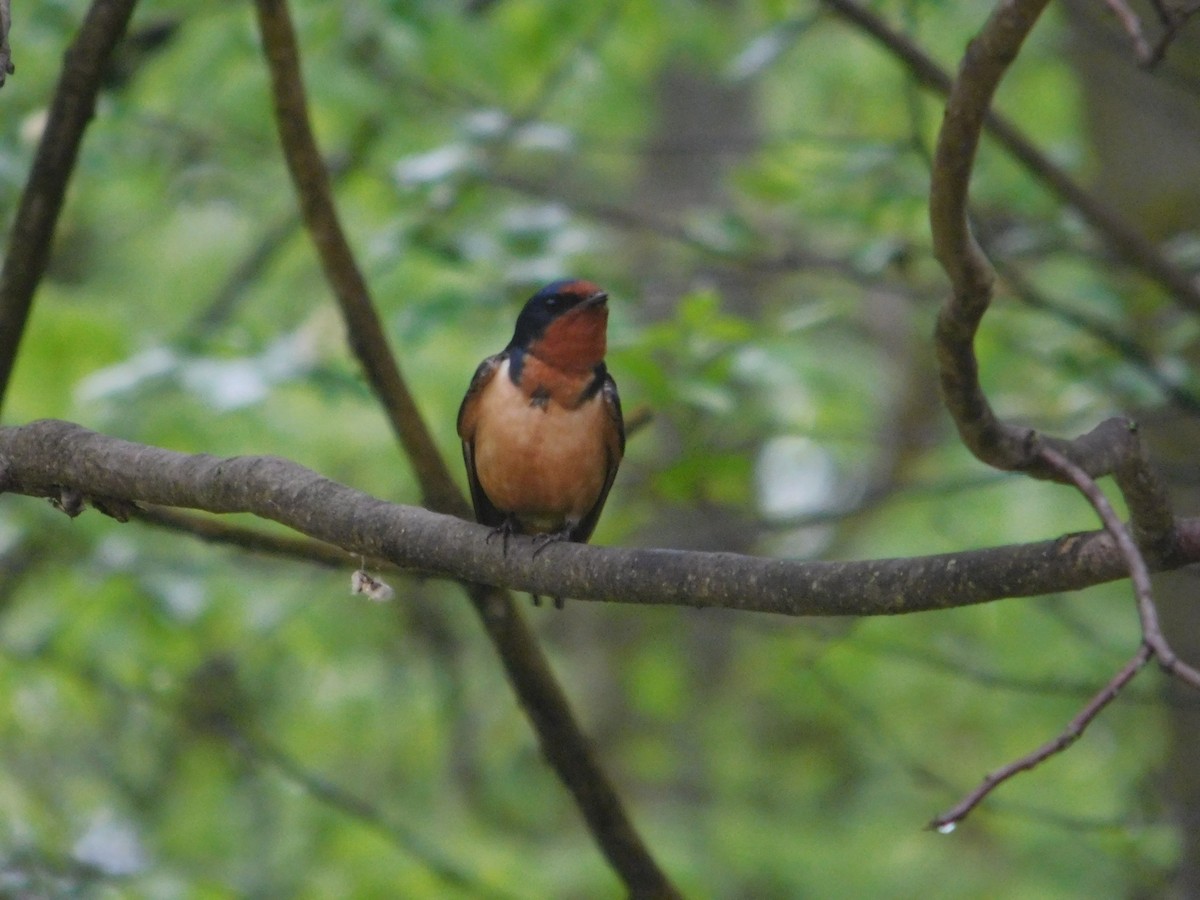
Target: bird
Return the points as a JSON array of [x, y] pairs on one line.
[[541, 426]]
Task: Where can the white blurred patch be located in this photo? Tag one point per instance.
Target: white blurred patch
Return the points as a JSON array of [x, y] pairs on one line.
[[183, 596], [486, 124], [110, 845], [116, 553], [434, 166], [223, 383], [795, 477], [126, 376]]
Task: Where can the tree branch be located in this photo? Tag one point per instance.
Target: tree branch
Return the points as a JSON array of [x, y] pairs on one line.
[[1154, 646], [49, 458], [1112, 447], [73, 106], [315, 195], [6, 63], [566, 747], [949, 820], [1125, 240]]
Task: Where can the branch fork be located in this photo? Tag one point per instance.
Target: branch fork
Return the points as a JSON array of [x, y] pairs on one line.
[[1111, 448]]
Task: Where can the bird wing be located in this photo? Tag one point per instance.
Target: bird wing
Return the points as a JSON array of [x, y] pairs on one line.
[[468, 419], [614, 439]]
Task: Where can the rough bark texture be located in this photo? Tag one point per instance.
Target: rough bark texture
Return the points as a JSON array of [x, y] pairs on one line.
[[71, 464]]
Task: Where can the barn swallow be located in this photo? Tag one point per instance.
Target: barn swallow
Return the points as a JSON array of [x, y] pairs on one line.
[[541, 425]]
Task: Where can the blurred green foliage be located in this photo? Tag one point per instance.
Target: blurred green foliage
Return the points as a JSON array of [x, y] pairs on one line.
[[186, 721]]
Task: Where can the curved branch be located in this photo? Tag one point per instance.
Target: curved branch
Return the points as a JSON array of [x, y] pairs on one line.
[[971, 275], [986, 60], [54, 459], [37, 215], [1112, 447]]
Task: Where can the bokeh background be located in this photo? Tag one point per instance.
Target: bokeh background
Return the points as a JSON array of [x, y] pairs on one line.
[[749, 181]]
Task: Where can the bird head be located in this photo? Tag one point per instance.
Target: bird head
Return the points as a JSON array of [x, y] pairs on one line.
[[565, 325]]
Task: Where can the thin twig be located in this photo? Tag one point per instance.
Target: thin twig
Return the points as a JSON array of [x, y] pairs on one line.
[[1133, 353], [394, 829], [220, 714], [1154, 646], [948, 820], [218, 531], [1139, 572]]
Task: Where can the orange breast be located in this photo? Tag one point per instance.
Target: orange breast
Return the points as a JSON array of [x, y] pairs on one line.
[[545, 463]]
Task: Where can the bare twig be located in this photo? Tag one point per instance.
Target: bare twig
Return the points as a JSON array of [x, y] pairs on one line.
[[1172, 389], [951, 818], [391, 828], [37, 215], [1154, 646], [218, 531], [223, 713], [563, 741]]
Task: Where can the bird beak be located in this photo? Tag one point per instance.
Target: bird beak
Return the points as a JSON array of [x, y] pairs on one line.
[[597, 299]]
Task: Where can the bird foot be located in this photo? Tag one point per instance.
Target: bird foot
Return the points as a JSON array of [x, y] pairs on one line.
[[505, 529], [542, 541]]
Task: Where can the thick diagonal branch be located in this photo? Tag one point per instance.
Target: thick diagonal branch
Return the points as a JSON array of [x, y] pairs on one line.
[[563, 741], [364, 328], [37, 215]]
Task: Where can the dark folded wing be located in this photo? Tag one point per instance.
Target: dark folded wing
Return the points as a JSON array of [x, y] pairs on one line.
[[614, 440], [468, 418]]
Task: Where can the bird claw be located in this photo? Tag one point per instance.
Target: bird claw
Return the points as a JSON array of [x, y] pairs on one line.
[[505, 529], [542, 541], [509, 527]]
